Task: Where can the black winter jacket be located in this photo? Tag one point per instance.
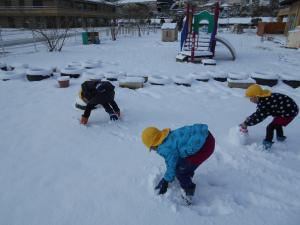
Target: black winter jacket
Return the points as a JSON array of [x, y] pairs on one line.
[[104, 95], [276, 105]]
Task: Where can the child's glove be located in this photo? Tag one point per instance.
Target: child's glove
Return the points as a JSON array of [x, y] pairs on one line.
[[118, 114], [243, 128], [83, 120], [162, 186], [113, 117]]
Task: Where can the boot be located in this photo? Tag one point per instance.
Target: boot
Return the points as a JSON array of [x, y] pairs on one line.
[[187, 194], [281, 138], [267, 144], [191, 190]]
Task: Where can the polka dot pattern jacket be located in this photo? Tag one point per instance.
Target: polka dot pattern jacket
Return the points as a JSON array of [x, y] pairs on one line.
[[276, 105]]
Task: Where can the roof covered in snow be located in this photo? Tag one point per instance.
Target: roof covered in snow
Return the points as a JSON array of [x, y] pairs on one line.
[[134, 1], [240, 20], [99, 1], [169, 26]]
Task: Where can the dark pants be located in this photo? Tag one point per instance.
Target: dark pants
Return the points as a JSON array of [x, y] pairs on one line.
[[104, 99], [277, 124], [186, 166]]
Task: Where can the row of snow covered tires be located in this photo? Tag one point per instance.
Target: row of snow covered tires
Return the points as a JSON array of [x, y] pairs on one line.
[[234, 80], [90, 72], [72, 70]]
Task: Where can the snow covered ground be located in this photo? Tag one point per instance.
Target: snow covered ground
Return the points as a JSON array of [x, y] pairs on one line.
[[55, 171]]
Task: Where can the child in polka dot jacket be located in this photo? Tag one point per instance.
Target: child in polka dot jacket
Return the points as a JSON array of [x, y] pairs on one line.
[[281, 107]]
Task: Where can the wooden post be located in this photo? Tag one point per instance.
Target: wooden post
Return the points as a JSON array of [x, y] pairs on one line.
[[214, 33]]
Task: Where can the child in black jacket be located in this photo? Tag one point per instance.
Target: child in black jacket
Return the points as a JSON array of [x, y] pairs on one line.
[[281, 107], [99, 92]]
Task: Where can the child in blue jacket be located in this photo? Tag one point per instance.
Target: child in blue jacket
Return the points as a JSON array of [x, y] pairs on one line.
[[183, 149]]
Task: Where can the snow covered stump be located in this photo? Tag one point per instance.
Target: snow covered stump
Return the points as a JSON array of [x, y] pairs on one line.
[[72, 71], [290, 80], [219, 76], [184, 81], [139, 75], [244, 84], [292, 83], [208, 62], [11, 75], [200, 76], [159, 80], [3, 66], [181, 58], [37, 74], [93, 75], [111, 76], [265, 78], [132, 82], [239, 80]]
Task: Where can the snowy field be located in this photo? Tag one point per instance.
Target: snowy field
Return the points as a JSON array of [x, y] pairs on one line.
[[55, 171]]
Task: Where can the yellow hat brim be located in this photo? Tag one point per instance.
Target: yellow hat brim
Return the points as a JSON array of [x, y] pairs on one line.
[[80, 93], [161, 137], [265, 93]]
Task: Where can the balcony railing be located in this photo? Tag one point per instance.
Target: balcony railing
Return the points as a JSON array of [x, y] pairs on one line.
[[50, 11], [286, 2], [283, 12]]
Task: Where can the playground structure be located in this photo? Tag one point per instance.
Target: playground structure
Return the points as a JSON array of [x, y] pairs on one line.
[[196, 45]]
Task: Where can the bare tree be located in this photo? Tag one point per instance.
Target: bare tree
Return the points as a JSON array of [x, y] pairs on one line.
[[113, 30], [138, 12], [53, 37], [139, 29]]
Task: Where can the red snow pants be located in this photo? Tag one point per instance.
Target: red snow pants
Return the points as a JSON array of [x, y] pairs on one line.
[[203, 153]]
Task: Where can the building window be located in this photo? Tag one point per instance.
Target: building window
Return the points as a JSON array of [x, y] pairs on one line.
[[292, 22], [26, 22], [40, 22], [37, 2], [79, 6], [50, 22], [21, 2], [11, 22], [66, 4], [7, 2]]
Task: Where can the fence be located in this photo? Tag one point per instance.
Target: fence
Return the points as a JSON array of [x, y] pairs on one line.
[[20, 41], [270, 28]]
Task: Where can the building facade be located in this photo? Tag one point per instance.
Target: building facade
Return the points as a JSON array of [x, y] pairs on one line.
[[53, 13], [290, 9]]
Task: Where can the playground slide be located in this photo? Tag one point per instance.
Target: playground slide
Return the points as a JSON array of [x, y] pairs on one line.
[[228, 45]]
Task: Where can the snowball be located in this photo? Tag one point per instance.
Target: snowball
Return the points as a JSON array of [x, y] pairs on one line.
[[237, 138]]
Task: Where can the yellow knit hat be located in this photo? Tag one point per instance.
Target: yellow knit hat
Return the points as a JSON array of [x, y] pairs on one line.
[[80, 94], [152, 136], [256, 91]]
